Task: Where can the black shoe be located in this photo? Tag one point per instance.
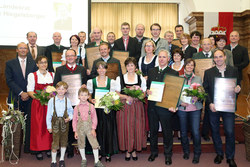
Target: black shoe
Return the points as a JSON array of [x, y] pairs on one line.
[[39, 156], [218, 159], [206, 137], [186, 156], [48, 153], [135, 158], [108, 159], [231, 163], [61, 164], [196, 160], [152, 157], [53, 165], [168, 160], [127, 158], [70, 154]]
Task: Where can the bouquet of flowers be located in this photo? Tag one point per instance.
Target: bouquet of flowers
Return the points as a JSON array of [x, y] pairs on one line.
[[13, 121], [111, 101], [45, 94], [195, 90], [135, 92]]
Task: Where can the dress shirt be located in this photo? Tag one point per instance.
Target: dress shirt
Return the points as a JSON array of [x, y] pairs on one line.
[[60, 107], [90, 85], [163, 68], [125, 44], [209, 53], [35, 49], [84, 112], [125, 76], [41, 79], [105, 59], [222, 71], [232, 48], [20, 60]]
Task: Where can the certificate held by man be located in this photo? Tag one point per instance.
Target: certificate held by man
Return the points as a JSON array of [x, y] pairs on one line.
[[99, 93], [224, 94], [157, 89]]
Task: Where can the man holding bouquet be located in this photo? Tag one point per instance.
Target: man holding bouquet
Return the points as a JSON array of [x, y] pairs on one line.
[[225, 71]]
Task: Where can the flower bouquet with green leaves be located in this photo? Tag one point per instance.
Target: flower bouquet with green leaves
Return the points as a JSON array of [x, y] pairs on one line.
[[135, 91], [111, 101], [45, 94], [196, 90]]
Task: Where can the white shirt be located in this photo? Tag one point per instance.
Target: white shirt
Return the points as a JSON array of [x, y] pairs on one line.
[[125, 76], [41, 79], [70, 66], [163, 68], [209, 53], [90, 85], [145, 62]]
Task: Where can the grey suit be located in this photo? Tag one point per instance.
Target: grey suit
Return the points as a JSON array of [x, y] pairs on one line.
[[162, 44]]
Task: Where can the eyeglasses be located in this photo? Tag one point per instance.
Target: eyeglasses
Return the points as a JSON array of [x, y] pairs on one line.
[[148, 46]]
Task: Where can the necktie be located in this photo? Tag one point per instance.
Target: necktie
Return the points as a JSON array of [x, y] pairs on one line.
[[125, 44], [206, 54], [160, 70], [23, 67], [33, 52]]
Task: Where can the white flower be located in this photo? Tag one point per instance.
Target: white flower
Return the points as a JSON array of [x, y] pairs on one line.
[[50, 89], [4, 112], [8, 117]]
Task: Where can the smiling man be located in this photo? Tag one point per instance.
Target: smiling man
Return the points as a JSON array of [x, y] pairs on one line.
[[105, 53], [225, 71], [33, 49]]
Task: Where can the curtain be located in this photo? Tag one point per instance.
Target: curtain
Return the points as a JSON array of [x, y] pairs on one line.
[[110, 16]]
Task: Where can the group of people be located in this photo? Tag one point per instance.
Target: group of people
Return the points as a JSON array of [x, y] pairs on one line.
[[59, 124]]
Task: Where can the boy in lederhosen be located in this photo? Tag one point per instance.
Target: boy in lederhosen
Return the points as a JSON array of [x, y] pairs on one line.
[[84, 124], [59, 113]]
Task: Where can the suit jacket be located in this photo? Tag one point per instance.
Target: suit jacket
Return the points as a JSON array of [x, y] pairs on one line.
[[209, 79], [132, 47], [189, 52], [14, 77], [62, 70], [200, 55], [48, 54], [155, 75], [162, 44], [110, 60], [240, 57], [40, 51], [139, 44]]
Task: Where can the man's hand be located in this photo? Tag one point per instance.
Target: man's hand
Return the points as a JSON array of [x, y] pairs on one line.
[[173, 109], [93, 132], [212, 107], [24, 96], [76, 135], [237, 89], [67, 120], [50, 130]]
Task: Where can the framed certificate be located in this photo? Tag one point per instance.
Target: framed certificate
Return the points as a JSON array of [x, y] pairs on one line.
[[122, 56], [172, 91], [56, 59], [224, 95], [157, 91], [99, 93], [75, 82], [201, 65], [92, 54]]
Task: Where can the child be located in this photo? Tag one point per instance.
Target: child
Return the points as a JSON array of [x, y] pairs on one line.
[[60, 112], [84, 124]]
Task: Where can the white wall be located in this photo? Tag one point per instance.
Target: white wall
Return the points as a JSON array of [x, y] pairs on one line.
[[188, 6]]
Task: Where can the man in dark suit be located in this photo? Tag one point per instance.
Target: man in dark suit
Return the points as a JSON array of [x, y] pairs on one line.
[[206, 52], [156, 114], [104, 51], [139, 30], [221, 70], [16, 73], [56, 47], [97, 35], [160, 43], [169, 36], [240, 53], [179, 30], [111, 40], [127, 43], [33, 48], [70, 68]]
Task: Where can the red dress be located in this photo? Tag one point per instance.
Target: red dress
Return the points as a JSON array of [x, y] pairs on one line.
[[40, 138]]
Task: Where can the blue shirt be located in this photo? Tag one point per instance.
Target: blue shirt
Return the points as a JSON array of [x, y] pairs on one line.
[[60, 107]]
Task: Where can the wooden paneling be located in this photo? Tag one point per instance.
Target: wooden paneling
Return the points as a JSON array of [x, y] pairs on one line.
[[241, 24], [5, 55]]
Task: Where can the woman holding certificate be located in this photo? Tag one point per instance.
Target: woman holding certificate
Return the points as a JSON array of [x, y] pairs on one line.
[[189, 113], [178, 64], [150, 60], [131, 120], [74, 44], [187, 50], [106, 128]]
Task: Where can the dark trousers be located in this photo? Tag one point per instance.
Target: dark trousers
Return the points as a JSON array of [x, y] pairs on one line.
[[156, 114], [228, 124], [191, 118], [206, 122]]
